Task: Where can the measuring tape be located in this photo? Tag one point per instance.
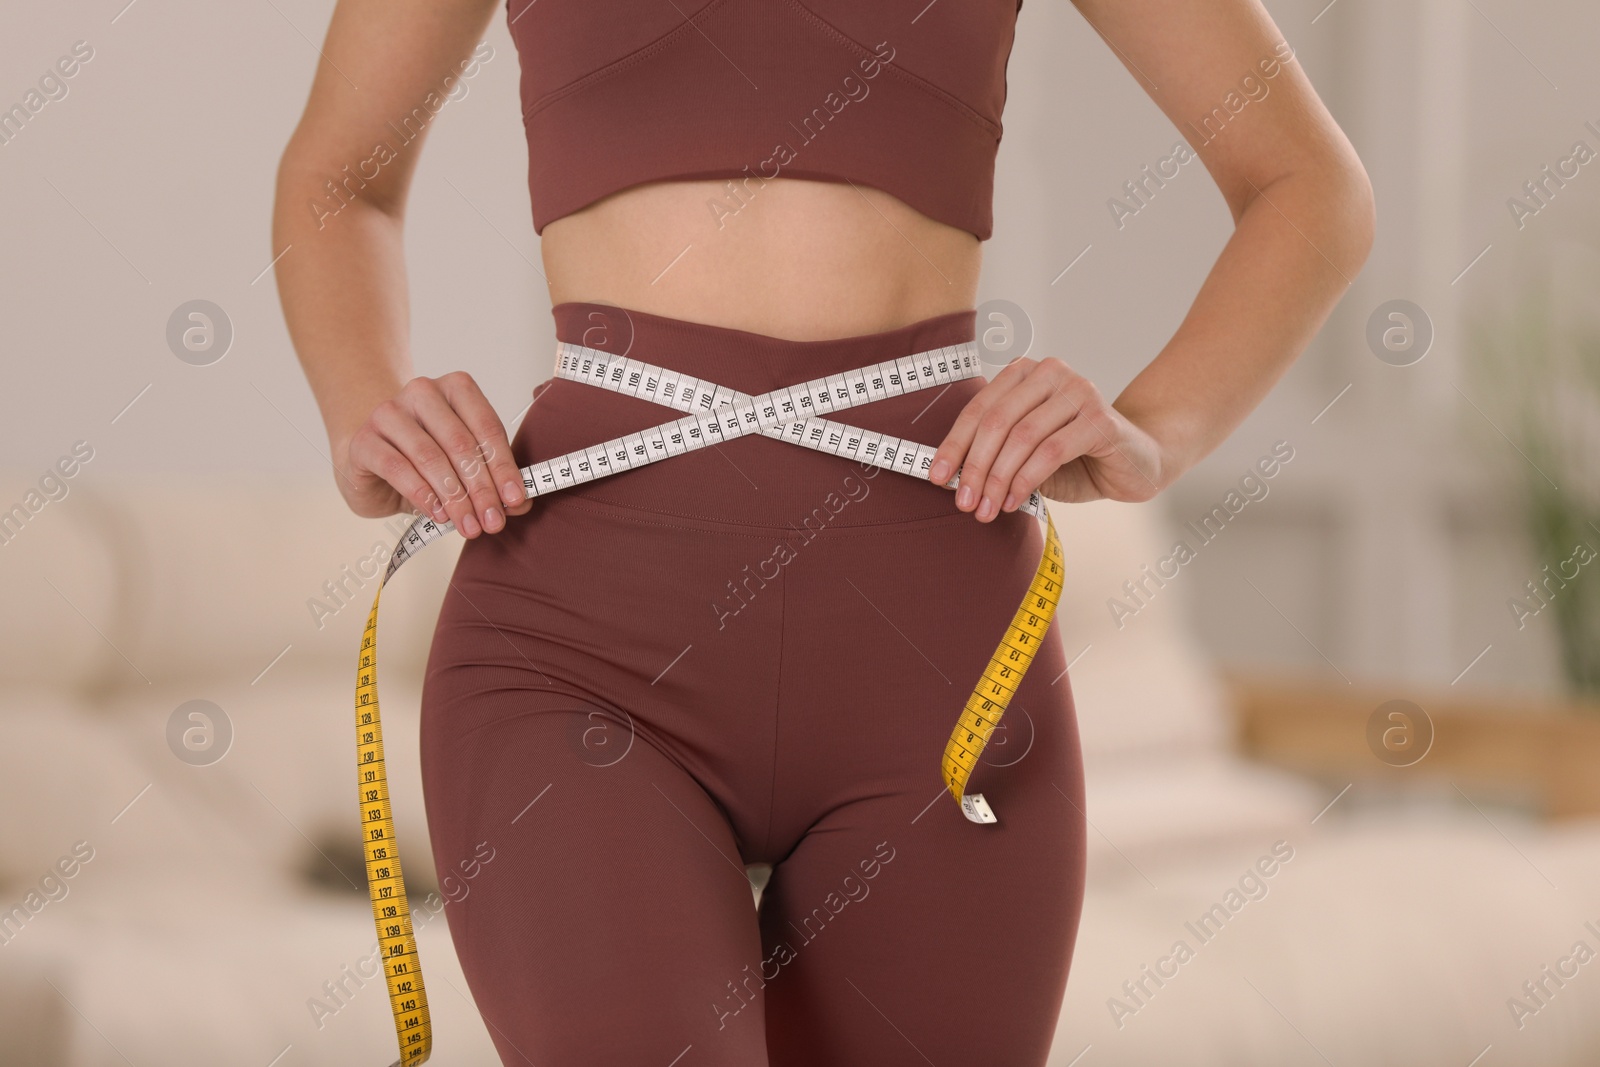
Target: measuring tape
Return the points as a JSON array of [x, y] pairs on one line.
[[716, 413]]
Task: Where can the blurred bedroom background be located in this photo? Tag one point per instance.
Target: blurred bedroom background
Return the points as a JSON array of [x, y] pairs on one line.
[[1342, 750]]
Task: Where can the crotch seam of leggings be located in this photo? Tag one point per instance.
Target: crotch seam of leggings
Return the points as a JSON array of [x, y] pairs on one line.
[[777, 718]]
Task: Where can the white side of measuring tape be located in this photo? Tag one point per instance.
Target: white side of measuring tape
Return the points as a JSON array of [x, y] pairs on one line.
[[724, 414]]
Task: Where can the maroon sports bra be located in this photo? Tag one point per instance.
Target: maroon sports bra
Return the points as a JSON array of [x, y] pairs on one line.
[[901, 95]]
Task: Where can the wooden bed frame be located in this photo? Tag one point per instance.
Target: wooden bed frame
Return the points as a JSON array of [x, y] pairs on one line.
[[1542, 753]]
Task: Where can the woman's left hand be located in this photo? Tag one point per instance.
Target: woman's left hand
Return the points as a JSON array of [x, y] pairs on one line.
[[1041, 425]]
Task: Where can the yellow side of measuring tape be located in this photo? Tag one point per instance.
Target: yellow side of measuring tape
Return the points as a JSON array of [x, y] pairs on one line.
[[1001, 677], [790, 414], [391, 910]]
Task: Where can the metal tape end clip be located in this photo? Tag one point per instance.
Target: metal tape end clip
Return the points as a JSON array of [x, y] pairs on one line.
[[976, 809]]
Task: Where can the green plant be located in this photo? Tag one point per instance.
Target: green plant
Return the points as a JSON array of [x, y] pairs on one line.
[[1542, 364]]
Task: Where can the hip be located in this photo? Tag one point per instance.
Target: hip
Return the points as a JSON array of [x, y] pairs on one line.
[[696, 631]]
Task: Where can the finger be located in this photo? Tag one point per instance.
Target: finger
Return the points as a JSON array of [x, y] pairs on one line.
[[1027, 437], [366, 491], [953, 450], [995, 427], [371, 452], [439, 418], [444, 424], [493, 445], [1077, 438], [399, 426]]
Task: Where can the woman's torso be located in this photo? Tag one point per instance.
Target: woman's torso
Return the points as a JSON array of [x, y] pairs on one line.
[[797, 259]]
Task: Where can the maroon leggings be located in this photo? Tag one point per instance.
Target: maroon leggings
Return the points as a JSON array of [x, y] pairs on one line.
[[753, 653]]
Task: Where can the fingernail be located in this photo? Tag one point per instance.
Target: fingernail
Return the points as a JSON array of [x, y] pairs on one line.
[[469, 525], [940, 472], [1011, 501], [491, 520], [965, 496], [986, 509], [512, 493]]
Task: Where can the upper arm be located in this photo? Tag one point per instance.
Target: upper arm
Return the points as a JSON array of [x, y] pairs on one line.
[[1225, 76], [387, 68]]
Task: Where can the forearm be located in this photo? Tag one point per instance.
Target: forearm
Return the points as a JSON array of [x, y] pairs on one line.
[[1293, 252], [342, 283]]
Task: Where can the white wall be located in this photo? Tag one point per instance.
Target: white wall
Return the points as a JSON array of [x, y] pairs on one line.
[[167, 144]]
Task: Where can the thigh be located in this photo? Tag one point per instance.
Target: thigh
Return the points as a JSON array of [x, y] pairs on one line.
[[910, 934], [613, 911], [941, 941]]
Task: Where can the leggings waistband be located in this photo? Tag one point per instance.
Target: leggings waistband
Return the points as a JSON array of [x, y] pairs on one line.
[[750, 481]]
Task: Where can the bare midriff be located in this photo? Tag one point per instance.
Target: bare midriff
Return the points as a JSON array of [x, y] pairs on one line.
[[796, 259]]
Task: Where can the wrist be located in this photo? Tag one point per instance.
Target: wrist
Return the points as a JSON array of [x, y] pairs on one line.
[[1176, 438], [352, 414]]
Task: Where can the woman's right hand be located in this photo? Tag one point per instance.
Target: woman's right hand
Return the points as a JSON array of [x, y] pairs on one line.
[[438, 445]]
